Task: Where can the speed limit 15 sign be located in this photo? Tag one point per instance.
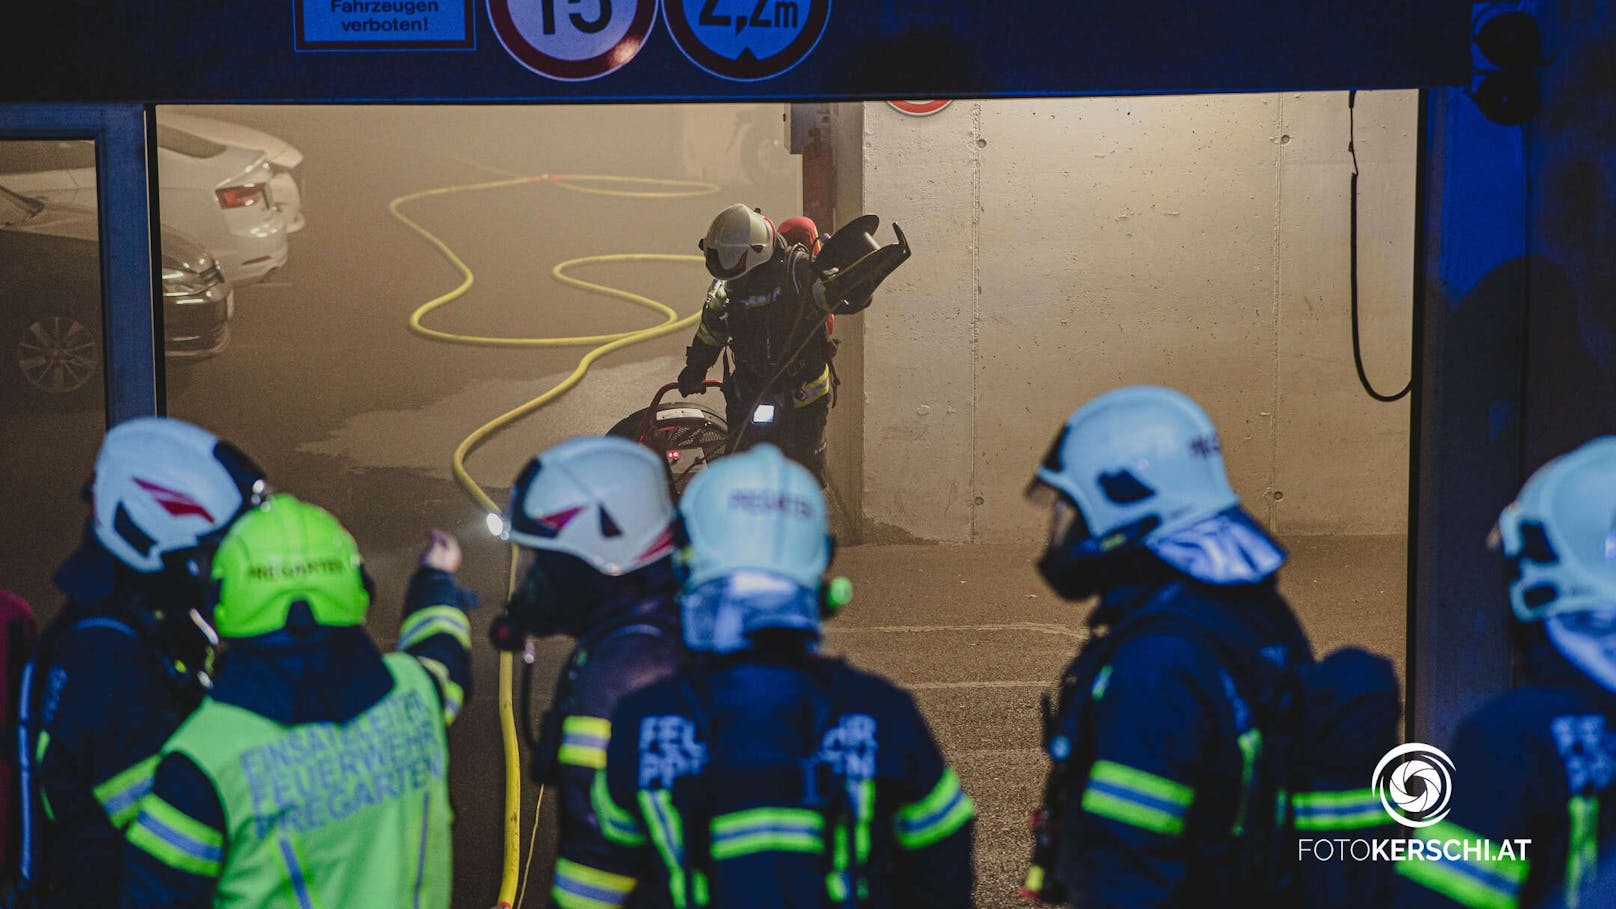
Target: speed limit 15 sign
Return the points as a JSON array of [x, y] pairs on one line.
[[572, 40]]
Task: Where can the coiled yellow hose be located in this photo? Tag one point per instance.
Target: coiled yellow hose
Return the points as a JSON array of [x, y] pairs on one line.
[[600, 345]]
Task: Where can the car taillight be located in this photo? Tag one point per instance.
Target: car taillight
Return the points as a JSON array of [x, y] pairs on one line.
[[240, 196]]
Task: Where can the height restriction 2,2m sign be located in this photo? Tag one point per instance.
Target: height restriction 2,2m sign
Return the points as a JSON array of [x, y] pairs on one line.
[[572, 40], [746, 40]]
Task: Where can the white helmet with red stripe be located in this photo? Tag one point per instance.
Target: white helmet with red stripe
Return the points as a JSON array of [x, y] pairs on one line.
[[604, 500], [164, 486]]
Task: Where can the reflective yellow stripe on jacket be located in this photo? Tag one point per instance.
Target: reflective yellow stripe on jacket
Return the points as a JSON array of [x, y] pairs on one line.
[[937, 816], [584, 740], [1468, 880], [1137, 798], [582, 887], [120, 795], [176, 839]]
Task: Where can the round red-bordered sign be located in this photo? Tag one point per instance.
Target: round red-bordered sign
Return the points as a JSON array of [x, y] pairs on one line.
[[919, 108], [557, 41]]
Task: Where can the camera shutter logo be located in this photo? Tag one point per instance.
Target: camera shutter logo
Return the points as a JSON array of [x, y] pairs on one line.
[[1415, 784]]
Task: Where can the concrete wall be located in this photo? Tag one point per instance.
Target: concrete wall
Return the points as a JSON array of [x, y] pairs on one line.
[[1064, 247], [844, 436]]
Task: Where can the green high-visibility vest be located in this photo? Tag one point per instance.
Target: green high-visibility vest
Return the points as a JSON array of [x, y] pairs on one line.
[[322, 815]]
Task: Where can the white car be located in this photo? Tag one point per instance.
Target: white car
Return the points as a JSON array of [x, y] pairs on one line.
[[285, 160], [218, 194]]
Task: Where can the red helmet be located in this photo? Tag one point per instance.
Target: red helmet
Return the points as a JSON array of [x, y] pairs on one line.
[[801, 229]]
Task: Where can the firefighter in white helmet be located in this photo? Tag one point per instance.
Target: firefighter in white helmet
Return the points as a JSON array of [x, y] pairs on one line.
[[122, 665], [1538, 762], [764, 774], [594, 523], [1194, 736], [768, 304]]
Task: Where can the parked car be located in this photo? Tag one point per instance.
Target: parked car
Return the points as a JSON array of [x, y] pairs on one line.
[[50, 299], [215, 193], [285, 160]]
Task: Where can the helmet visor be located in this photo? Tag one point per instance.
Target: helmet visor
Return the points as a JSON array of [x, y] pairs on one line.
[[1038, 489], [249, 481], [716, 267], [1065, 518]]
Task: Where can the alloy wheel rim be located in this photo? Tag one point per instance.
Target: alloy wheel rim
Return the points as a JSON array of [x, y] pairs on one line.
[[57, 354]]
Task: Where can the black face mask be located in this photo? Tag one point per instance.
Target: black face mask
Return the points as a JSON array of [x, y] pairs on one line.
[[1077, 566], [1070, 577], [555, 595], [562, 594], [183, 583]]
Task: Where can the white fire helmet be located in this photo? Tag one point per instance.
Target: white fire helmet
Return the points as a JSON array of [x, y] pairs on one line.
[[164, 486], [759, 511], [602, 499], [739, 240], [1560, 536], [1144, 465], [1561, 533], [759, 545]]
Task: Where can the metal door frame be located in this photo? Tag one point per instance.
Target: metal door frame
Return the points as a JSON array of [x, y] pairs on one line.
[[127, 218]]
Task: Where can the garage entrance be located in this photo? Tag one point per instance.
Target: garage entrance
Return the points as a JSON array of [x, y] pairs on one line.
[[1062, 247]]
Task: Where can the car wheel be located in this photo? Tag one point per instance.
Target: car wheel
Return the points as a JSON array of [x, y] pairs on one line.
[[57, 354]]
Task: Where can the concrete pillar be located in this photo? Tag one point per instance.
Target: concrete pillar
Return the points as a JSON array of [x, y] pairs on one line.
[[1468, 406]]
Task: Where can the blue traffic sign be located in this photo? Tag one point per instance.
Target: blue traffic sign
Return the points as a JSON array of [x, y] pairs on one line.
[[747, 40], [383, 24]]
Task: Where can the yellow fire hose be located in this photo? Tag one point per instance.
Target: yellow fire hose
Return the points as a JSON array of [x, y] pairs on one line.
[[513, 876]]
